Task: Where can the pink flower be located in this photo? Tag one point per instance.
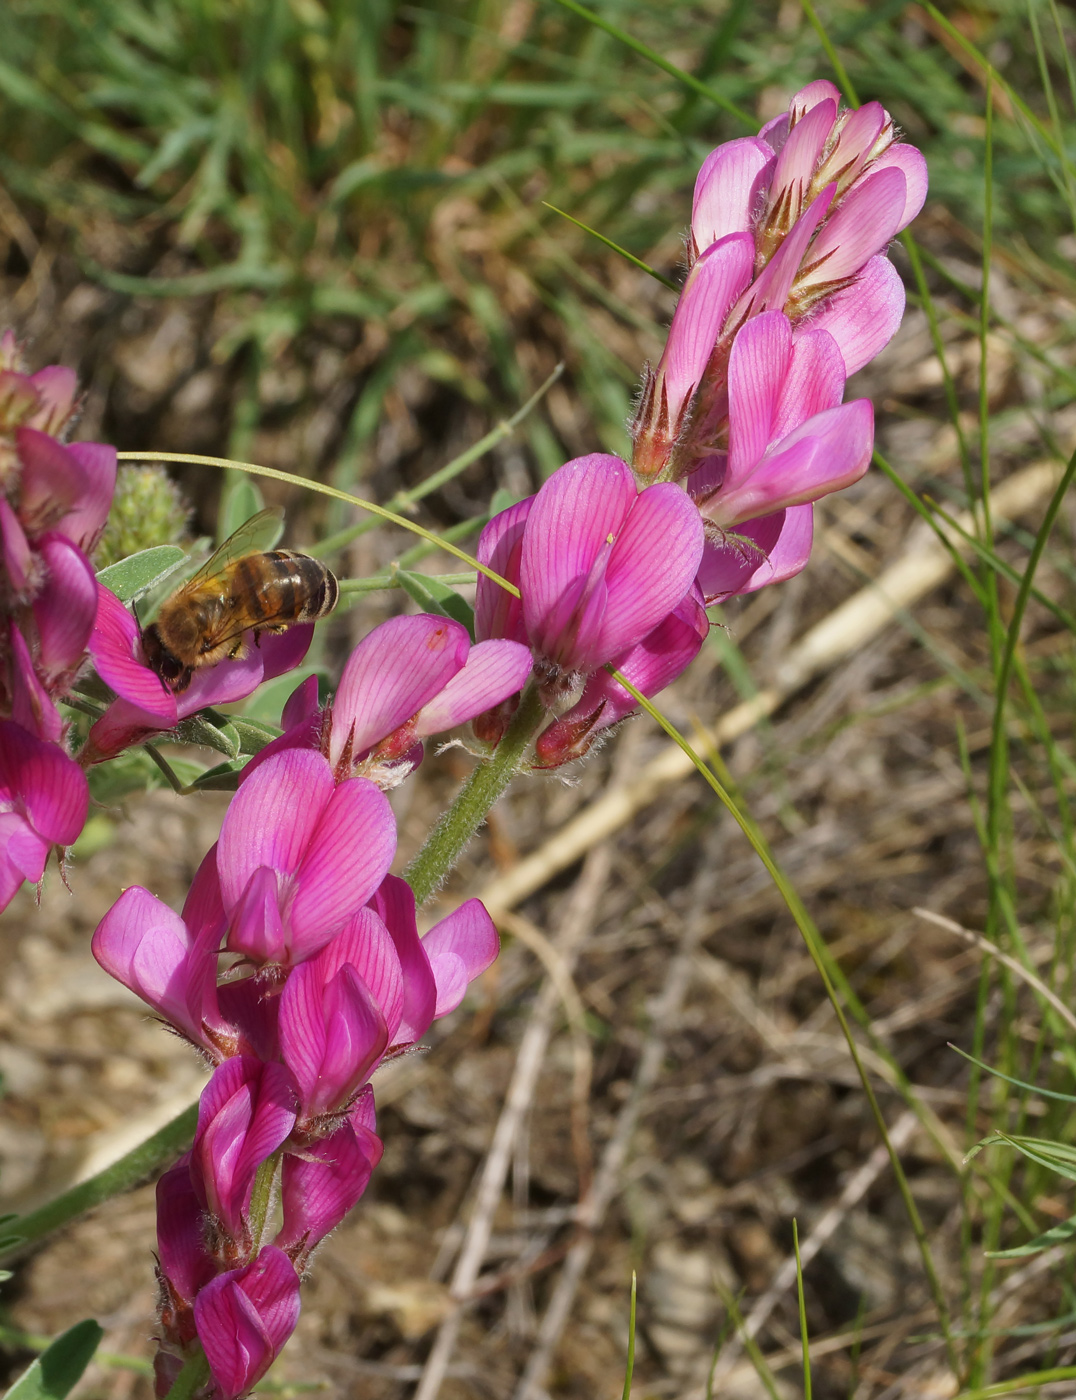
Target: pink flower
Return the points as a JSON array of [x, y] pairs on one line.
[[323, 1182], [808, 208], [171, 961], [244, 1317], [299, 855], [599, 565], [664, 420], [650, 666], [409, 678], [246, 1112], [790, 439], [145, 705], [376, 985], [769, 549], [44, 798], [185, 1264]]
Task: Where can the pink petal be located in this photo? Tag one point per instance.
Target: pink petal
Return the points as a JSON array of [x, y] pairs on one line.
[[349, 854], [366, 945], [830, 451], [771, 288], [331, 1034], [497, 612], [650, 666], [184, 1259], [912, 164], [864, 317], [758, 366], [56, 387], [820, 90], [857, 139], [862, 226], [23, 854], [799, 155], [301, 705], [49, 787], [574, 517], [18, 558], [51, 484], [654, 559], [766, 550], [460, 948], [85, 523], [283, 651], [272, 819], [815, 381], [729, 188], [66, 606], [494, 671], [395, 670], [394, 904], [31, 703], [320, 1187], [224, 683], [714, 282], [244, 1318], [146, 946], [116, 647], [256, 928]]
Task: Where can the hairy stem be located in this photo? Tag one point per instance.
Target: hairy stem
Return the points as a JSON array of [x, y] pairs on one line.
[[449, 838]]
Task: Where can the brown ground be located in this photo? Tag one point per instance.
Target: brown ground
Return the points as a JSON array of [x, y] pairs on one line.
[[690, 971]]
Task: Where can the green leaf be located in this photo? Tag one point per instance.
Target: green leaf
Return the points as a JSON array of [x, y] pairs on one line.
[[199, 729], [253, 735], [140, 571], [57, 1370], [223, 778], [436, 597], [1056, 1234]]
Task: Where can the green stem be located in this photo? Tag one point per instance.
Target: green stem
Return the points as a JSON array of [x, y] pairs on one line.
[[164, 1146], [261, 1198], [194, 1375], [450, 836]]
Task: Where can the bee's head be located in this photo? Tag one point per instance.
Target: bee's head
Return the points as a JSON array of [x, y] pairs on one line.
[[168, 666]]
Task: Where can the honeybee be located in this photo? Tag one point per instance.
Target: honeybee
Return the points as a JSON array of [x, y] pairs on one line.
[[238, 589]]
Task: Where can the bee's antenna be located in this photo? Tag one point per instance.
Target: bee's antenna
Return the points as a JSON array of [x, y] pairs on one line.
[[134, 609]]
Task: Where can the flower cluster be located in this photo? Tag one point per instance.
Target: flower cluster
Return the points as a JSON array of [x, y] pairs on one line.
[[788, 292], [296, 968], [739, 428], [54, 501]]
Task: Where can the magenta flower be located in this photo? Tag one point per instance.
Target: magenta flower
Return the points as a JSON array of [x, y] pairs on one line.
[[790, 439], [299, 855], [599, 565], [44, 798], [409, 678], [244, 1317], [185, 1264], [670, 402], [145, 705], [808, 207], [332, 1029], [767, 550], [246, 1112], [171, 961], [322, 1183], [650, 666]]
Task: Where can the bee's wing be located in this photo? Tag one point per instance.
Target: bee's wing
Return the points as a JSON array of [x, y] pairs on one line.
[[258, 533]]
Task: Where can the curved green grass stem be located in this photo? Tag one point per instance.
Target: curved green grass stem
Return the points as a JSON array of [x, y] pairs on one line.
[[452, 833], [816, 949]]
